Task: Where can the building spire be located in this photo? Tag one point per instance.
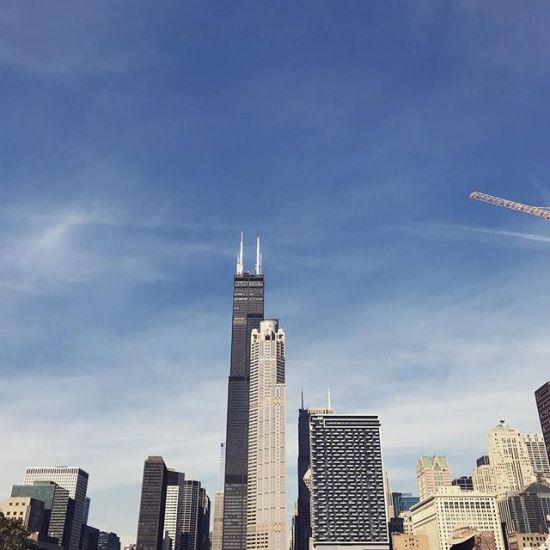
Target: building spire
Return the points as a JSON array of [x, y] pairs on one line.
[[258, 257], [329, 399], [240, 266]]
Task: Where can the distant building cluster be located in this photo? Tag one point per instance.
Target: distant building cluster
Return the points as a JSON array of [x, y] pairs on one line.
[[52, 505], [344, 495]]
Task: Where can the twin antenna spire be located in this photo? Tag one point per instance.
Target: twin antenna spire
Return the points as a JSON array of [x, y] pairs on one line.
[[240, 258]]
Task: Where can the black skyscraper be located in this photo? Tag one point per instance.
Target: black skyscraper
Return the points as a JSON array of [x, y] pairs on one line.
[[153, 502], [302, 523], [248, 311], [302, 520], [542, 397]]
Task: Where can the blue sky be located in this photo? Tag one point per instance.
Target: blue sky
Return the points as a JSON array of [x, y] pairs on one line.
[[138, 139]]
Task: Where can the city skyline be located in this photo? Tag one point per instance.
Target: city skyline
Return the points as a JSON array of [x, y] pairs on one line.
[[138, 142]]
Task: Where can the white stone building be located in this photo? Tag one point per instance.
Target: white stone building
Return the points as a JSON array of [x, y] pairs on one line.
[[266, 497]]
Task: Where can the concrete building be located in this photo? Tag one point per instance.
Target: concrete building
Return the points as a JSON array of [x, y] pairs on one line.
[[27, 510], [432, 472], [536, 449], [217, 528], [527, 511], [542, 398], [511, 468], [526, 541], [346, 482], [152, 505], [74, 480], [403, 541], [266, 499], [58, 508], [482, 479], [451, 507], [248, 311]]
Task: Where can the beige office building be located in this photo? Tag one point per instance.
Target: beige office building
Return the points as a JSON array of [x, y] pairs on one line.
[[266, 496], [511, 468], [536, 449], [451, 507], [526, 541], [482, 479], [402, 541], [432, 472], [217, 527], [27, 510]]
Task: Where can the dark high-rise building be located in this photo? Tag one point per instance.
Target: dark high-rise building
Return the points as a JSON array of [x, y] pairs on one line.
[[527, 511], [301, 530], [196, 517], [248, 311], [108, 541], [152, 506], [89, 538], [57, 508], [542, 397], [403, 502], [464, 482], [482, 461], [348, 500]]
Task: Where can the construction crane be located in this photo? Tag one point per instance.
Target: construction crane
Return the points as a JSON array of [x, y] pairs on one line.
[[539, 211]]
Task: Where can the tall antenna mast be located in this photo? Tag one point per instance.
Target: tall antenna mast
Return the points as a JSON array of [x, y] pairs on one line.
[[240, 260], [258, 257]]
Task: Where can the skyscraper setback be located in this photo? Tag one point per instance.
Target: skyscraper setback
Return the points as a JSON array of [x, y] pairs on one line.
[[248, 312]]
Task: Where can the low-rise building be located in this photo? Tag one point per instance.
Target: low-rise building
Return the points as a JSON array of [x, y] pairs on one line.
[[29, 511], [402, 541], [450, 507], [526, 541]]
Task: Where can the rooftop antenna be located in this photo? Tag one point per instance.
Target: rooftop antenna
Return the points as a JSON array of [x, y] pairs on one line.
[[258, 257], [240, 267], [302, 395], [329, 400]]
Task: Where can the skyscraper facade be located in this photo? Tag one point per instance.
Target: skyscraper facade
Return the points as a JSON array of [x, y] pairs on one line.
[[266, 496], [302, 519], [542, 398], [528, 510], [196, 517], [108, 541], [248, 311], [346, 481], [74, 480], [173, 510], [217, 528], [432, 472], [536, 449], [511, 468], [153, 503]]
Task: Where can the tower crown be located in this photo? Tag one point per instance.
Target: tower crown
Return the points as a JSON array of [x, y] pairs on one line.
[[240, 258]]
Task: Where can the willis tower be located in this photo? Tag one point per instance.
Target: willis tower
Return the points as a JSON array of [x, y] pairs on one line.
[[248, 311]]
